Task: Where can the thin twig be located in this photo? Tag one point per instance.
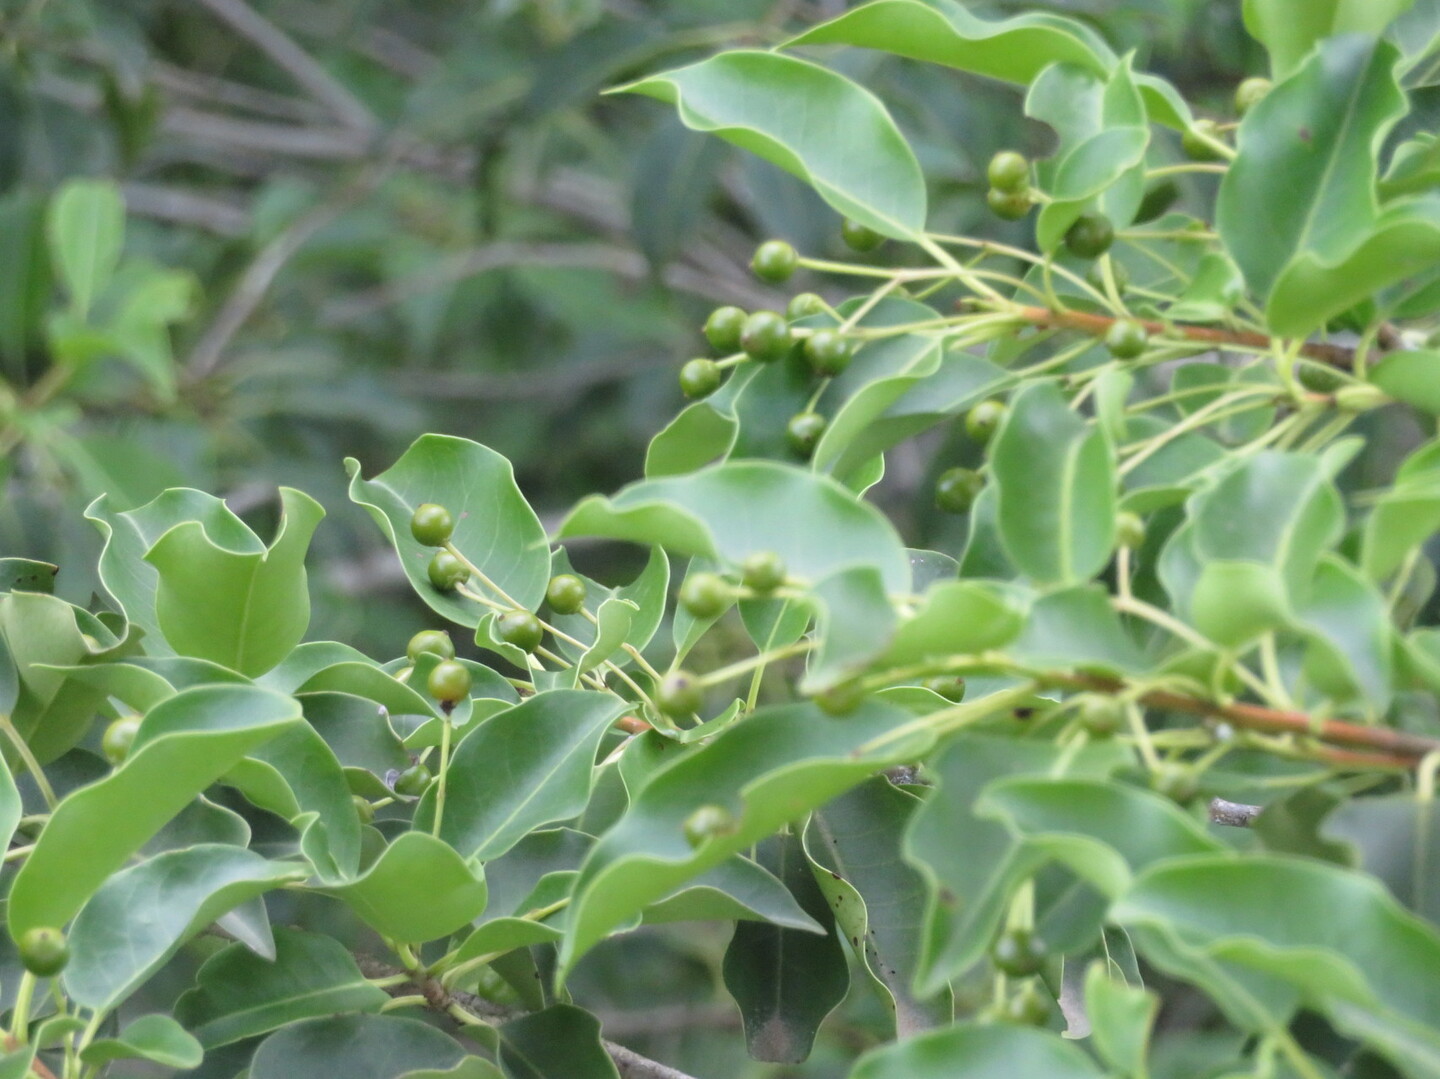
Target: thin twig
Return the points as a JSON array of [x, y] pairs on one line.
[[1234, 814]]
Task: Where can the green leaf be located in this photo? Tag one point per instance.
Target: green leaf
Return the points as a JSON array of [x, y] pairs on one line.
[[238, 607], [1307, 153], [786, 981], [238, 994], [1120, 1017], [763, 102], [1077, 628], [561, 1042], [184, 744], [355, 1046], [1055, 480], [142, 915], [495, 528], [735, 890], [151, 1037], [854, 845], [86, 227], [1352, 641], [733, 510], [1396, 838], [854, 622], [27, 575], [647, 592], [768, 768], [1410, 376], [978, 1052], [419, 889], [1290, 29], [545, 748]]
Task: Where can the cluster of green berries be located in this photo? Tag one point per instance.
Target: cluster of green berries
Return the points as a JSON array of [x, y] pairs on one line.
[[1010, 196], [957, 488]]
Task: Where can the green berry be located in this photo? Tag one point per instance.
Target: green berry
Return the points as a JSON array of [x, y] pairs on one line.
[[1249, 93], [956, 489], [1126, 339], [949, 686], [1018, 953], [431, 525], [765, 337], [840, 700], [449, 681], [1176, 782], [1318, 378], [982, 420], [774, 261], [435, 642], [1130, 530], [1009, 172], [446, 571], [1158, 198], [1197, 141], [827, 352], [520, 628], [565, 593], [1029, 1007], [43, 951], [413, 781], [805, 304], [115, 743], [1009, 205], [860, 237], [1102, 716], [706, 595], [707, 821], [763, 571], [678, 695], [804, 431], [363, 809], [700, 378], [722, 329], [1090, 236]]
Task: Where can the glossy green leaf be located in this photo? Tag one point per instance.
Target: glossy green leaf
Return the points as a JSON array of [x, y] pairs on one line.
[[11, 809], [1055, 481], [561, 1042], [1395, 837], [1120, 1017], [1077, 627], [184, 744], [86, 227], [732, 510], [956, 618], [702, 433], [356, 1046], [978, 1052], [1410, 376], [786, 981], [419, 889], [239, 995], [768, 768], [27, 575], [737, 889], [469, 1068], [1351, 636], [495, 528], [151, 1037], [241, 608], [142, 915], [877, 900], [545, 748], [854, 621], [857, 161], [1289, 29]]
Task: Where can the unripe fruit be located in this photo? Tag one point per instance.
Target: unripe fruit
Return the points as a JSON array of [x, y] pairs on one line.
[[707, 821], [827, 352], [1158, 198], [1197, 142], [956, 489], [115, 743], [43, 951], [804, 431], [678, 695], [1126, 339], [859, 237], [446, 571], [763, 571], [706, 595], [1008, 171], [700, 378], [363, 809], [1090, 236], [435, 642], [1176, 782], [431, 524], [948, 686], [520, 628], [839, 700], [722, 328], [1360, 397], [1029, 1007], [565, 593], [774, 261], [1130, 530], [982, 420], [449, 681], [803, 305], [1249, 93], [1317, 378], [765, 337], [1009, 205], [1101, 716], [413, 781], [1018, 953]]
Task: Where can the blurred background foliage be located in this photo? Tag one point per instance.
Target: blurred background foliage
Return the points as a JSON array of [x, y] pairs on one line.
[[351, 221]]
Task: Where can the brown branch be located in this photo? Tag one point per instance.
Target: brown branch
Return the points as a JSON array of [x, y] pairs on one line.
[[1334, 355], [1234, 814]]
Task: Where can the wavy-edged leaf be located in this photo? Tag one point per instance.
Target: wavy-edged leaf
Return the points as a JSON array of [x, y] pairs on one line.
[[355, 1046], [1289, 29], [27, 575], [768, 103], [1410, 376], [560, 1042], [978, 1052], [150, 1037], [737, 889], [419, 889]]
